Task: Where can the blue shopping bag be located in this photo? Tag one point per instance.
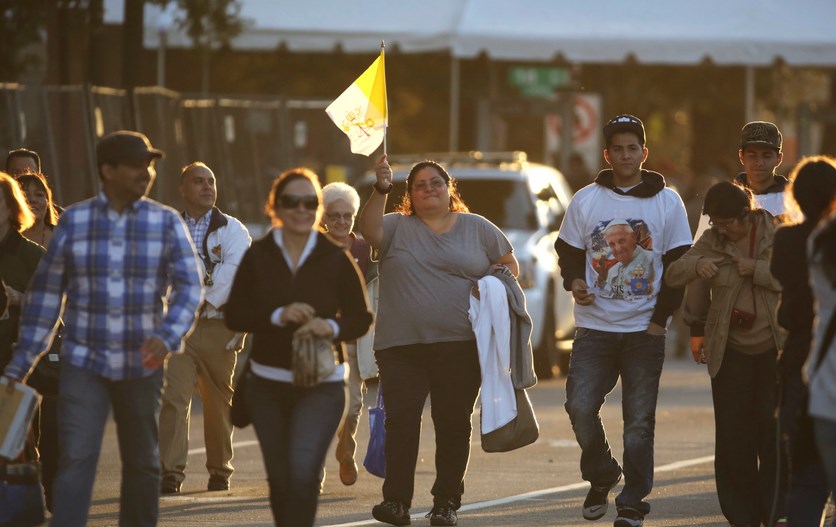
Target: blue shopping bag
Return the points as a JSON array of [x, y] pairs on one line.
[[375, 461]]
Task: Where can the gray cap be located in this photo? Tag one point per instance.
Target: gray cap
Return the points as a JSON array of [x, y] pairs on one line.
[[125, 147], [761, 133]]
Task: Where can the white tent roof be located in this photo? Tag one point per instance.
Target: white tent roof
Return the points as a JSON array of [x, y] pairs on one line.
[[747, 32], [323, 25], [744, 32]]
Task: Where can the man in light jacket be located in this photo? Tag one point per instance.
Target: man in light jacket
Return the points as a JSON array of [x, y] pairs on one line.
[[211, 349]]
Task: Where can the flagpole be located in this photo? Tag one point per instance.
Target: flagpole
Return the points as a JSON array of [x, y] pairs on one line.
[[385, 95]]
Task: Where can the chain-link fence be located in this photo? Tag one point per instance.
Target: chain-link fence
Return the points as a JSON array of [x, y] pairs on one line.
[[246, 141]]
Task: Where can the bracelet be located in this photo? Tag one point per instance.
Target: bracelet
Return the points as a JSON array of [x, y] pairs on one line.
[[384, 191]]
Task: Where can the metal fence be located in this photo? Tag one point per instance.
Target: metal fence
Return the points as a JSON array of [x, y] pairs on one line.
[[246, 141]]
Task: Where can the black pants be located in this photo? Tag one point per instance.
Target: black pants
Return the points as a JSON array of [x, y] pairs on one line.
[[449, 373], [746, 450]]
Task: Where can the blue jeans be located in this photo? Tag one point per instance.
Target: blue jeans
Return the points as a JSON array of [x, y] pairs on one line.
[[826, 441], [598, 359], [294, 427], [808, 491], [84, 402]]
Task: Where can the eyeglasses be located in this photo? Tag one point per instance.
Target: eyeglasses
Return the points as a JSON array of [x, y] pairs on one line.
[[291, 201], [435, 184], [722, 224], [334, 217]]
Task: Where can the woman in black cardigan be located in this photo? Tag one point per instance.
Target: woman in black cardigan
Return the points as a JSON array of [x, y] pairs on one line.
[[18, 259], [295, 279], [813, 184]]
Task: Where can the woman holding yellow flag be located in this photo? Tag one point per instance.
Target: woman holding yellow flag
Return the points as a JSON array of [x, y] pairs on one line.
[[430, 252]]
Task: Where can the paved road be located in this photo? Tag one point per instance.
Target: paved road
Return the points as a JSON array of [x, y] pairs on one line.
[[537, 485]]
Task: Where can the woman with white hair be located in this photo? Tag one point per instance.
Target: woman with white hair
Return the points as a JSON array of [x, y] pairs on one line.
[[341, 204]]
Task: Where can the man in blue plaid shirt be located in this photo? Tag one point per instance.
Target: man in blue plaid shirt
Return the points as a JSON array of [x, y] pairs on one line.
[[125, 270]]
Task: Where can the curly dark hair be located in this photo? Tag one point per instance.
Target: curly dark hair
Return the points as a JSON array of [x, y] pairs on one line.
[[456, 203]]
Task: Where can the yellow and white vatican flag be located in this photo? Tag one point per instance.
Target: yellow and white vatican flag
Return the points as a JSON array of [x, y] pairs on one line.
[[361, 111]]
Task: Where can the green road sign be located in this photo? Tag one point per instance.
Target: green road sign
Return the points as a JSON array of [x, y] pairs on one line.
[[538, 81]]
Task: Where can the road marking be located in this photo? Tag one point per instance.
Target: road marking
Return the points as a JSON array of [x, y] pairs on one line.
[[240, 444], [563, 443], [199, 499], [670, 467], [534, 494], [470, 507]]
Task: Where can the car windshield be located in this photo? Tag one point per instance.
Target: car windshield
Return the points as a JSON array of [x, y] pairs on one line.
[[507, 204]]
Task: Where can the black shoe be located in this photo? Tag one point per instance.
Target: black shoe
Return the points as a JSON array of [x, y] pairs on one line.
[[595, 505], [443, 515], [169, 485], [628, 517], [217, 482], [392, 512]]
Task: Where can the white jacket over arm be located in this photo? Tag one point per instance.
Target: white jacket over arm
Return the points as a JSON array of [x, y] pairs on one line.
[[491, 322]]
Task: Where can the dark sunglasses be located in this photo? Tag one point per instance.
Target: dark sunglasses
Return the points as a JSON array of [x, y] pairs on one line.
[[291, 201]]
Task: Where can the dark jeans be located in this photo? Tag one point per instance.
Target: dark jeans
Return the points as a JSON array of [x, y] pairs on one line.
[[826, 440], [45, 426], [449, 373], [808, 490], [598, 359], [746, 450], [294, 427], [84, 402]]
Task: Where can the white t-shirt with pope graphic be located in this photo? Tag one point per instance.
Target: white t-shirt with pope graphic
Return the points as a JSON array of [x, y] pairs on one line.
[[624, 238]]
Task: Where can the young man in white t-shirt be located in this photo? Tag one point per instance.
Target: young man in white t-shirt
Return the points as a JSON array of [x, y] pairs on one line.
[[621, 316]]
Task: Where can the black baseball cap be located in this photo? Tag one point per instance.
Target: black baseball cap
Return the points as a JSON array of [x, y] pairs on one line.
[[624, 123], [761, 133], [125, 147]]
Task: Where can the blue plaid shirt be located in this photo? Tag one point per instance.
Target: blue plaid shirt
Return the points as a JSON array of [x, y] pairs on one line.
[[198, 229], [121, 278]]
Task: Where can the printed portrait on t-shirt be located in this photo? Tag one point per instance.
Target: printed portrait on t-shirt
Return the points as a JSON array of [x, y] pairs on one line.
[[622, 258]]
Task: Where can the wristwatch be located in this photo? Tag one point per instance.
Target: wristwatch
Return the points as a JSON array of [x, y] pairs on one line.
[[386, 190]]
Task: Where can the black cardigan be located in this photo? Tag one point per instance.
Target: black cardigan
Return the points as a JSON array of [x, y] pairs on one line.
[[328, 280], [795, 313], [18, 259]]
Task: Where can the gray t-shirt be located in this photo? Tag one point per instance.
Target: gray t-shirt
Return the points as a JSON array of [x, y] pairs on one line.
[[425, 278]]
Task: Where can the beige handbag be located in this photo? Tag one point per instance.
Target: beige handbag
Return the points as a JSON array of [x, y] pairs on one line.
[[314, 360]]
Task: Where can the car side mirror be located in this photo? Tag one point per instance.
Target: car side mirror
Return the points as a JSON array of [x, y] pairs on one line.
[[556, 220], [546, 194]]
